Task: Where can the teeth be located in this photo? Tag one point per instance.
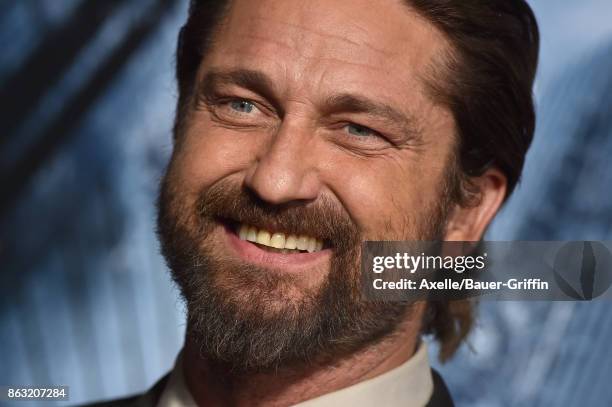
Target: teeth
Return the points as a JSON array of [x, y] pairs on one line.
[[312, 243], [291, 242], [243, 232], [263, 237], [279, 240], [252, 234], [302, 242]]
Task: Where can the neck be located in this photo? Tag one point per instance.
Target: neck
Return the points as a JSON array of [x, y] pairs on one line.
[[218, 387]]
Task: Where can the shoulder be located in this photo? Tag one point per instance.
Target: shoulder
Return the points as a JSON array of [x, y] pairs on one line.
[[147, 399]]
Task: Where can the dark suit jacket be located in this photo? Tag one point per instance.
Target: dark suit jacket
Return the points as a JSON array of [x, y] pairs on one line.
[[440, 397]]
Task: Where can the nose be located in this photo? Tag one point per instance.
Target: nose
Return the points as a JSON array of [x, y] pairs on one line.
[[286, 168]]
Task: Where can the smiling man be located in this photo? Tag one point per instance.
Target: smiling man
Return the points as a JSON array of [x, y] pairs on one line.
[[303, 129]]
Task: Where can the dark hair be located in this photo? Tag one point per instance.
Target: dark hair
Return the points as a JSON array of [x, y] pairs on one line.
[[194, 39], [485, 79]]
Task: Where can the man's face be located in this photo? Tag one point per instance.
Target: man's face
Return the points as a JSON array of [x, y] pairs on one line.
[[310, 120]]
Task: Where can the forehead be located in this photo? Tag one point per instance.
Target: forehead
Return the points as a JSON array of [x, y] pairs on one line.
[[379, 44]]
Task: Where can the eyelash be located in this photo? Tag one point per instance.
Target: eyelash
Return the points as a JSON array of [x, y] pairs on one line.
[[242, 102], [221, 107], [371, 132], [228, 102], [221, 101]]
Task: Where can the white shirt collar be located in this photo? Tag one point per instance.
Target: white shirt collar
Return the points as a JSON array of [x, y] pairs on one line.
[[408, 385]]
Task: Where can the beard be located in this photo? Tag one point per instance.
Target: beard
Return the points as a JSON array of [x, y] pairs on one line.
[[249, 319]]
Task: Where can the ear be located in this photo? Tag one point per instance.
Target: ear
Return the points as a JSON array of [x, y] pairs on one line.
[[469, 222]]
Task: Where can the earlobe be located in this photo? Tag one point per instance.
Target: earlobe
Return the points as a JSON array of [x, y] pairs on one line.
[[468, 222]]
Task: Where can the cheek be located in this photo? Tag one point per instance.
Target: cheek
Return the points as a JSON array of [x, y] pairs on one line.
[[387, 199], [209, 154]]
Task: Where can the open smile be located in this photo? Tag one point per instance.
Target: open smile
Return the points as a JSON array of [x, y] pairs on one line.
[[275, 248]]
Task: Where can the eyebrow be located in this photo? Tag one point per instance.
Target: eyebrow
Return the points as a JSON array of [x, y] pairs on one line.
[[262, 84], [255, 81]]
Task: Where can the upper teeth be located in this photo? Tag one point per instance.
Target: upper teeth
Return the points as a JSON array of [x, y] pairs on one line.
[[279, 240]]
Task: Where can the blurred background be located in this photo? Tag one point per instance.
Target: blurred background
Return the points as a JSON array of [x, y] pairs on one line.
[[87, 100]]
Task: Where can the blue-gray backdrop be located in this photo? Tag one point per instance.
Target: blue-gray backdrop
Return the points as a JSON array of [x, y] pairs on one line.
[[87, 98]]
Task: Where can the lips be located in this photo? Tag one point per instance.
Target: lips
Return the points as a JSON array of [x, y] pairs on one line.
[[290, 260]]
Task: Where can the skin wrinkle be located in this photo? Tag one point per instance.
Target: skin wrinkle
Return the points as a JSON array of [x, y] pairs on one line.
[[224, 342], [345, 37], [299, 46], [349, 102], [304, 57], [406, 127], [376, 68], [261, 336], [285, 140], [260, 83]]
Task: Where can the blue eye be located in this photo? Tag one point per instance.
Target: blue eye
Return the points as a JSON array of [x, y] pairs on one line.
[[360, 131], [242, 106]]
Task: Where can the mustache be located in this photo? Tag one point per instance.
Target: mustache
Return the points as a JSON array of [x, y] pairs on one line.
[[324, 218]]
